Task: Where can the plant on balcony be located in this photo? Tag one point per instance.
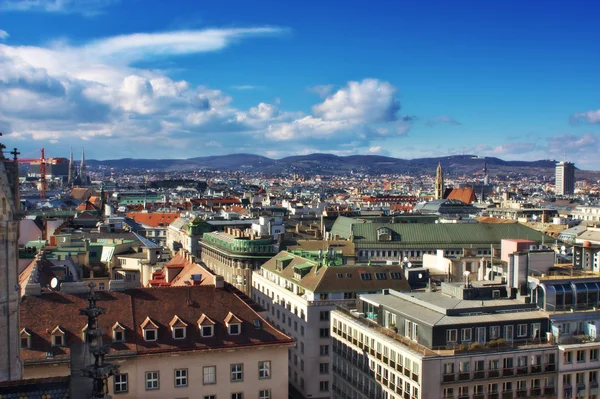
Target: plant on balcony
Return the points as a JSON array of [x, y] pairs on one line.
[[476, 346], [393, 327]]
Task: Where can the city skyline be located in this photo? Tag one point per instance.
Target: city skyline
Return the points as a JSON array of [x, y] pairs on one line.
[[499, 79]]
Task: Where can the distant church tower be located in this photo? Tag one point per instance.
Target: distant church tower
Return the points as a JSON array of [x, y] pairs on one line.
[[83, 169], [72, 170], [439, 182], [11, 367]]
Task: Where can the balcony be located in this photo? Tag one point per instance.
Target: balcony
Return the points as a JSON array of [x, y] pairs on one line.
[[449, 377], [494, 395], [479, 375], [550, 368], [536, 369], [507, 395], [549, 390], [535, 392], [508, 372], [493, 373], [479, 396], [522, 370], [464, 376], [521, 393]]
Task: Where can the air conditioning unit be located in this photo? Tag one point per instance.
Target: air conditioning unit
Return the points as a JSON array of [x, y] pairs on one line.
[[496, 294]]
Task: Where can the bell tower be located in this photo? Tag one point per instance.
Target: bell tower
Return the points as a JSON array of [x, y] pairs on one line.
[[439, 182], [11, 367]]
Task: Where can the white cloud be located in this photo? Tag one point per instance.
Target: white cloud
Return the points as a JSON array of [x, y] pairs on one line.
[[245, 87], [85, 7], [371, 100], [3, 34], [589, 117], [94, 92], [442, 119], [322, 90], [377, 150]]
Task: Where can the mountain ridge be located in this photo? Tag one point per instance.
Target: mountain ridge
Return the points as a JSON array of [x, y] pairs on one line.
[[324, 163]]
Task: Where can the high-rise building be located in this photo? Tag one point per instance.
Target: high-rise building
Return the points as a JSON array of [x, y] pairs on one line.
[[565, 178], [439, 182], [10, 361]]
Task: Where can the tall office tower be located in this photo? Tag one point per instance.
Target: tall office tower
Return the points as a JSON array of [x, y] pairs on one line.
[[565, 178], [439, 182], [10, 361]]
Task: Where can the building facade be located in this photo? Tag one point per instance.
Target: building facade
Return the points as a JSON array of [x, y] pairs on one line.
[[10, 360], [565, 178], [298, 293], [234, 255], [173, 342]]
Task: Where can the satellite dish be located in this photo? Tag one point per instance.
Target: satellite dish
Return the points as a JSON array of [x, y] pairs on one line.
[[54, 283], [420, 276], [532, 285], [409, 265], [405, 259], [466, 273]]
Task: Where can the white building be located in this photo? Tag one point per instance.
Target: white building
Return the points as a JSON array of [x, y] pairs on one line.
[[299, 292]]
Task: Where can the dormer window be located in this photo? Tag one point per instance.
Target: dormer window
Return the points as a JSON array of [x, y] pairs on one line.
[[25, 339], [150, 330], [207, 326], [234, 324], [58, 337], [178, 328], [118, 332]]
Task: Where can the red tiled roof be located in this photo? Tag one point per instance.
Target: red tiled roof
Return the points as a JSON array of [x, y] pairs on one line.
[[41, 314], [158, 219], [466, 195]]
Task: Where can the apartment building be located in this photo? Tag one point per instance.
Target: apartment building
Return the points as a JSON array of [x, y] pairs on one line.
[[235, 254], [298, 291], [195, 342], [380, 242], [460, 342]]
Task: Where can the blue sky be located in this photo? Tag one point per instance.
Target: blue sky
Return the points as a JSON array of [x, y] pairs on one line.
[[157, 79]]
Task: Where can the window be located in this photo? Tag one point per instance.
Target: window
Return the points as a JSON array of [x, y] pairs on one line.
[[451, 335], [466, 334], [509, 333], [181, 378], [395, 275], [324, 368], [366, 276], [150, 335], [234, 329], [522, 330], [507, 386], [494, 364], [264, 370], [264, 394], [324, 350], [463, 390], [210, 396], [494, 332], [179, 332], [448, 392], [480, 334], [324, 386], [324, 315], [594, 355], [580, 356], [380, 276], [25, 339], [448, 368], [238, 395], [580, 378], [208, 331], [118, 336], [593, 376], [121, 383], [237, 372], [568, 357], [151, 380], [57, 340], [324, 332], [210, 375]]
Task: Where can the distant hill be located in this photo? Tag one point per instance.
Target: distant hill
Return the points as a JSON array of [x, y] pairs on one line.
[[333, 164]]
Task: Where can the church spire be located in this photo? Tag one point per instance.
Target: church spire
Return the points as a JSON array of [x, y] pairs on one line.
[[439, 182], [83, 169]]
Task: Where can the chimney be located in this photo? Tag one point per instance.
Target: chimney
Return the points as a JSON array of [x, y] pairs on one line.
[[219, 282]]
